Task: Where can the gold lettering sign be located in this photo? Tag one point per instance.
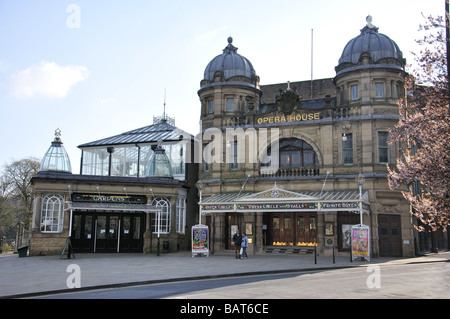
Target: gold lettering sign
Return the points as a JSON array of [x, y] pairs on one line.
[[289, 118]]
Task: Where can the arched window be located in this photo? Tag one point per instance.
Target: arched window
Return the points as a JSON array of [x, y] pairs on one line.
[[164, 205], [297, 153], [52, 213]]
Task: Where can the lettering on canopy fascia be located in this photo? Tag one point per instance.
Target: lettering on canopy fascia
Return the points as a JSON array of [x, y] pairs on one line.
[[340, 205], [283, 206], [277, 206], [118, 199], [289, 118], [217, 207]]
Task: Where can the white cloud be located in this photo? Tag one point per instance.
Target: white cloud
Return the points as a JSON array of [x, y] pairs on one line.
[[46, 80]]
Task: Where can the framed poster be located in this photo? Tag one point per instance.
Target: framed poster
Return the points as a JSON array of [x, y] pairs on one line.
[[360, 242], [329, 230], [200, 240], [346, 236], [249, 229]]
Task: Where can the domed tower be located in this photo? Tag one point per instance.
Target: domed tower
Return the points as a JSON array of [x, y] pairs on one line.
[[229, 90], [370, 70], [56, 158]]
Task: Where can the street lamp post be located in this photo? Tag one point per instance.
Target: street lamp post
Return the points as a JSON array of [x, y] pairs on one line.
[[200, 189], [360, 179]]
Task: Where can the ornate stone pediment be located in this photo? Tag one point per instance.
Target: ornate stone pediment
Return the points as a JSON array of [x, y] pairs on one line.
[[276, 193], [288, 101]]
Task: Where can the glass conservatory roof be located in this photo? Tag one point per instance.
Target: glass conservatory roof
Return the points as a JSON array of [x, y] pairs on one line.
[[56, 158], [152, 133]]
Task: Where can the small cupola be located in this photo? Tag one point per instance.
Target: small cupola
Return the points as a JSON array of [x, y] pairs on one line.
[[56, 158], [159, 164]]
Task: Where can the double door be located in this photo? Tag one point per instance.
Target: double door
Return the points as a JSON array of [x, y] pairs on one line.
[[107, 232], [293, 228]]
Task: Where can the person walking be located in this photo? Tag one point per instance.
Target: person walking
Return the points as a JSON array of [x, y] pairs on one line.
[[237, 239], [244, 246]]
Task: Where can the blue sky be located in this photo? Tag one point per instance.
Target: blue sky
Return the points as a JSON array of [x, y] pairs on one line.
[[95, 69]]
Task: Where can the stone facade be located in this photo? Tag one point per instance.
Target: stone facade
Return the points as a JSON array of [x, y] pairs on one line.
[[344, 123]]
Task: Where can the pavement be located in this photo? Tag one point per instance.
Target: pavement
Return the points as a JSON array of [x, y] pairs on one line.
[[39, 275]]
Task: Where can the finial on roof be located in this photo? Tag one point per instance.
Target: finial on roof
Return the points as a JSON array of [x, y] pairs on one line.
[[57, 135], [369, 26], [230, 48]]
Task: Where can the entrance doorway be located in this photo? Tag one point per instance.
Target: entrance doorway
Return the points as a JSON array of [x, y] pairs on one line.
[[292, 228], [107, 232], [389, 233], [233, 222]]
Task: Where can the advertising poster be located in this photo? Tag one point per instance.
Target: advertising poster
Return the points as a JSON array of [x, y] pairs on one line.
[[360, 242], [200, 237]]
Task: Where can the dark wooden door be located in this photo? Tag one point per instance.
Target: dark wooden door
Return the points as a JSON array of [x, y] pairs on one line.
[[389, 234], [282, 227], [306, 231]]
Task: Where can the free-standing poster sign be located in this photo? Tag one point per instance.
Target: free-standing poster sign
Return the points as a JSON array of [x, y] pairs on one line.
[[200, 240], [360, 242]]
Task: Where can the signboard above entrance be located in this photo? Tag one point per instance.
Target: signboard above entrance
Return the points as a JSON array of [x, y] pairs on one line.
[[279, 200], [117, 199]]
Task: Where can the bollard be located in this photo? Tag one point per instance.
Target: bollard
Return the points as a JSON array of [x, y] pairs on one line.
[[334, 260], [315, 255]]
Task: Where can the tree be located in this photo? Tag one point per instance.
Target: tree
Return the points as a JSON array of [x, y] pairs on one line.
[[16, 196], [424, 132]]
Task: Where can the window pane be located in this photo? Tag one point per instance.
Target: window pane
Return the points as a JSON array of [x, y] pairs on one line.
[[354, 92], [230, 105], [285, 159], [308, 158], [379, 89], [211, 106], [347, 149], [296, 159], [383, 147]]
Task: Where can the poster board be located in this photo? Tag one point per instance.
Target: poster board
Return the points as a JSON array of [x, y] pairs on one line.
[[360, 242], [200, 240]]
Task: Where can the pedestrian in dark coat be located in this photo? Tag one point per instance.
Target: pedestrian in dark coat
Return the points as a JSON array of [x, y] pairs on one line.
[[237, 240]]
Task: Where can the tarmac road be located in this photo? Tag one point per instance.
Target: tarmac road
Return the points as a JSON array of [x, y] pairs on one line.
[[405, 281], [34, 276]]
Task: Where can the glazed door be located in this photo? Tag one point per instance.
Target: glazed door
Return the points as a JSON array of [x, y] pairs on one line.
[[82, 233], [282, 227], [130, 233], [306, 231], [107, 233]]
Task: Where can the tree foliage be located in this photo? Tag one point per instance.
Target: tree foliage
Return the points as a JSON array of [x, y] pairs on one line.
[[16, 196], [424, 132]]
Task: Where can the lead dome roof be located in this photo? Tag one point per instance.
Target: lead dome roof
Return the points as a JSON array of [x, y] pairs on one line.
[[380, 48], [230, 63]]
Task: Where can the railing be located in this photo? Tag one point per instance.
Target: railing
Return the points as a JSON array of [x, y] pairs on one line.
[[345, 111], [285, 172]]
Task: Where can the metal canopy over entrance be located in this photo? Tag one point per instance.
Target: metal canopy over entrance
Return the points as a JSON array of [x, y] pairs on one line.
[[279, 200]]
